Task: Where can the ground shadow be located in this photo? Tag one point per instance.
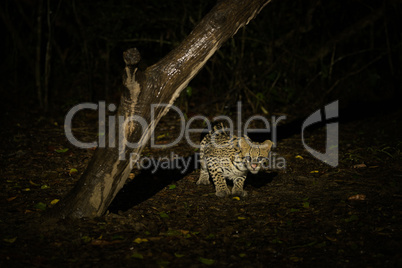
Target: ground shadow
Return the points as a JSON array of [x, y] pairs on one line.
[[152, 180], [260, 179]]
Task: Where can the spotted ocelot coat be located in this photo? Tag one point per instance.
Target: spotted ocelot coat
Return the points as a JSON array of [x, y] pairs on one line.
[[225, 156]]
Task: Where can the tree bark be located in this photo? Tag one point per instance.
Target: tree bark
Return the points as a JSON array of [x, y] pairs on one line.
[[160, 83]]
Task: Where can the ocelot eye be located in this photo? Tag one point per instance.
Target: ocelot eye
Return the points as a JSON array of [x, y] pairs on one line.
[[248, 158]]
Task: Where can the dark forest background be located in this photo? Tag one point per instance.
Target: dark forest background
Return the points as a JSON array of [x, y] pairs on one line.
[[295, 54]]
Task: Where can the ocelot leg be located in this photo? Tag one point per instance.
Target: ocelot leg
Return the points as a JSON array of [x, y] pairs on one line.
[[204, 176], [221, 187], [238, 184]]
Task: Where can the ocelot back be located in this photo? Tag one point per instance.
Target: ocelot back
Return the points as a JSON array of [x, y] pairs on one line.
[[230, 157]]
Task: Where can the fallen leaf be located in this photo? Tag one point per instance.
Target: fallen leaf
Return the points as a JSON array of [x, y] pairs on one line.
[[236, 198], [179, 255], [314, 171], [206, 261], [157, 238], [44, 186], [210, 236], [174, 232], [54, 202], [63, 150], [97, 242], [362, 165], [11, 198], [185, 232], [72, 171], [162, 136], [241, 218], [163, 263], [331, 238], [137, 255], [139, 240], [352, 218], [295, 259], [32, 183], [10, 240], [117, 237], [40, 206], [359, 197], [86, 239], [163, 215], [299, 157]]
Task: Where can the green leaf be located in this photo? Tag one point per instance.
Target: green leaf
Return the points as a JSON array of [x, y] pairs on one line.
[[140, 240], [40, 206], [86, 239], [117, 237], [352, 218], [10, 240], [306, 204], [210, 236], [163, 215], [172, 186], [173, 233], [189, 91], [137, 255], [44, 186], [61, 150], [206, 261], [294, 210], [179, 255], [54, 202], [162, 263]]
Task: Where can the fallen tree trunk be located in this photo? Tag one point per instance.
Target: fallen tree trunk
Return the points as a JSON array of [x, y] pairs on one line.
[[160, 83]]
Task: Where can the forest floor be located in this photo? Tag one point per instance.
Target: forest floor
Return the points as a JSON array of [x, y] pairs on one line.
[[306, 214]]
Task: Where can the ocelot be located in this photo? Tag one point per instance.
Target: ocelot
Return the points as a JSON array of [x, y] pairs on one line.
[[229, 157]]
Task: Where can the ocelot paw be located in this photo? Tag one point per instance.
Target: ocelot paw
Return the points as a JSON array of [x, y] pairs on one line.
[[238, 192], [204, 178], [204, 181], [222, 193]]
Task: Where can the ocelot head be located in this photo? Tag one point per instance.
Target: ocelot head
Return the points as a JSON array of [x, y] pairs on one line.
[[254, 153]]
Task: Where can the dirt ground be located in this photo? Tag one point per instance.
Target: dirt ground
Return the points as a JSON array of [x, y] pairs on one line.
[[306, 214]]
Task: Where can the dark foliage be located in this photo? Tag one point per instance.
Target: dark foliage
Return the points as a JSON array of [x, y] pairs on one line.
[[296, 52]]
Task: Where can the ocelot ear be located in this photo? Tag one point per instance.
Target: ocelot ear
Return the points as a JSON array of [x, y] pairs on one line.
[[267, 145], [244, 145]]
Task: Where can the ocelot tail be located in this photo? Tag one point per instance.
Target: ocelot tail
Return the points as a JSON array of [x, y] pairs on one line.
[[229, 157]]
